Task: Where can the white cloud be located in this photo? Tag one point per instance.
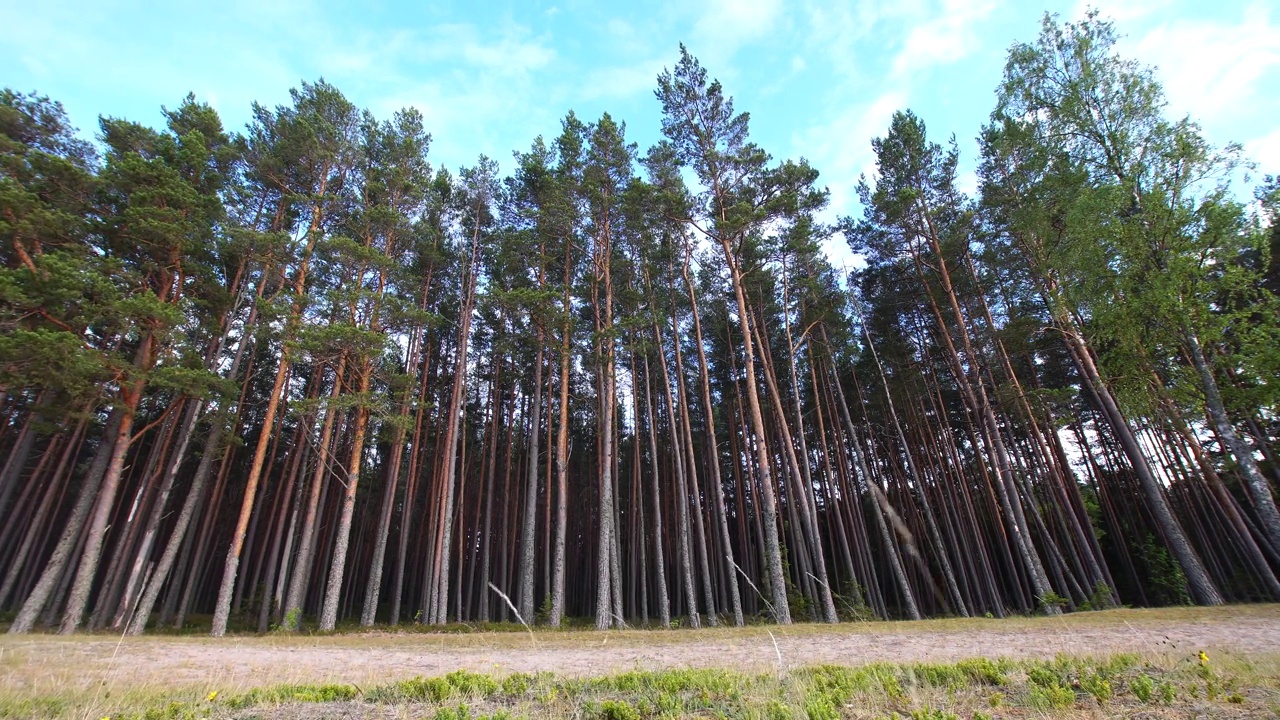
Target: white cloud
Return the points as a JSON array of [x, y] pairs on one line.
[[1213, 70], [511, 54], [841, 150], [1121, 11], [723, 26], [622, 81], [948, 36], [34, 66], [738, 21], [1265, 151], [919, 35]]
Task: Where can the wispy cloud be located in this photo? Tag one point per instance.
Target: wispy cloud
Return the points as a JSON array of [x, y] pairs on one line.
[[947, 36], [626, 81], [722, 27], [1214, 69], [841, 149], [733, 22], [1265, 150], [1122, 11], [885, 51]]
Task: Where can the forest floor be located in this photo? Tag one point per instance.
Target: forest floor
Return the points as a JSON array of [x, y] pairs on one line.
[[85, 670]]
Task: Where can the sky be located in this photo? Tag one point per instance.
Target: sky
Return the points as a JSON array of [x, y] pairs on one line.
[[819, 79]]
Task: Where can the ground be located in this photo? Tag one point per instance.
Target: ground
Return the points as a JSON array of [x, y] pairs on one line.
[[84, 666]]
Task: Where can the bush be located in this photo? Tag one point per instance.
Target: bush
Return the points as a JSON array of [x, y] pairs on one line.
[[1051, 697], [1143, 687], [615, 710]]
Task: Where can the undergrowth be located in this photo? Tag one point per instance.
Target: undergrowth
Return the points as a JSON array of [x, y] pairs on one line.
[[1117, 686]]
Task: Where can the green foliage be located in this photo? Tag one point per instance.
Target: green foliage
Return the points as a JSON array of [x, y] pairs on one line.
[[1050, 686], [1102, 598], [1051, 697], [820, 707], [670, 681], [1166, 582], [460, 712], [1143, 687], [1051, 601], [986, 671], [419, 689], [293, 693], [517, 684], [1096, 685], [614, 710], [472, 684], [1044, 676]]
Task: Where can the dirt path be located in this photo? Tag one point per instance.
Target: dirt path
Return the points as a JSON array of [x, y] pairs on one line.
[[35, 662]]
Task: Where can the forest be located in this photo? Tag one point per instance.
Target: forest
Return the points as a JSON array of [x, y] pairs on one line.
[[299, 378]]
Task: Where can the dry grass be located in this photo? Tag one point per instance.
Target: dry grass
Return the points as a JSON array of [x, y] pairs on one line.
[[95, 676], [1123, 686]]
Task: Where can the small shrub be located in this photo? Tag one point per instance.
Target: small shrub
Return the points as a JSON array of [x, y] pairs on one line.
[[1211, 689], [1052, 601], [1042, 676], [294, 693], [840, 683], [985, 671], [949, 676], [1102, 598], [820, 707], [775, 709], [1096, 685], [668, 705], [1143, 687], [1051, 697], [415, 689], [469, 683], [461, 712], [615, 710], [517, 684]]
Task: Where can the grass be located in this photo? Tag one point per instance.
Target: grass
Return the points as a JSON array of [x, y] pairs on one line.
[[1115, 686], [89, 677], [517, 635]]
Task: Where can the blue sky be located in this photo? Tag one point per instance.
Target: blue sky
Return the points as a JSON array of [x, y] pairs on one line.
[[820, 79]]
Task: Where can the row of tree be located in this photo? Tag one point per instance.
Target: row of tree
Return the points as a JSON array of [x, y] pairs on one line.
[[299, 372]]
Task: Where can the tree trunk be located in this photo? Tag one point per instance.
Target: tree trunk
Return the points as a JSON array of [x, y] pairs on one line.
[[143, 552], [337, 569], [1203, 588], [61, 556], [773, 551], [130, 396], [301, 577], [1259, 489], [655, 496], [529, 523]]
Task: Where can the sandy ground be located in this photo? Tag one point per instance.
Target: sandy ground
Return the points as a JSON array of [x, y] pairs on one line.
[[33, 664]]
